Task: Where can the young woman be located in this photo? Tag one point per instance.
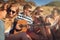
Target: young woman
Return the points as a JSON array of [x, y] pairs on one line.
[[12, 12], [2, 25], [53, 19]]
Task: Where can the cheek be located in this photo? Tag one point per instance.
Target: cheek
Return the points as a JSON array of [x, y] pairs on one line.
[[5, 14], [18, 27], [14, 14], [26, 11], [11, 14]]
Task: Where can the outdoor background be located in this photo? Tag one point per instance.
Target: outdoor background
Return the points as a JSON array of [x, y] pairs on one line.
[[47, 5]]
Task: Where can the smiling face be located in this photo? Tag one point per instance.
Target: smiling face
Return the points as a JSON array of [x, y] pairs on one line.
[[38, 13], [27, 11], [21, 25], [55, 13], [12, 11]]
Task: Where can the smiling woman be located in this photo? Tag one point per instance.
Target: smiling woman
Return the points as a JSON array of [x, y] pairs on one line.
[[2, 15], [12, 13]]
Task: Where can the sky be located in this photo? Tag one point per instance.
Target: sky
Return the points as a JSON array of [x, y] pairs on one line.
[[41, 2]]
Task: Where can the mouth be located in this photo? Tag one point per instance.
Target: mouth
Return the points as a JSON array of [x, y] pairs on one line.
[[37, 16]]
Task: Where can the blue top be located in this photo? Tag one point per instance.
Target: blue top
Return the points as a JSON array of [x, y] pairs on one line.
[[2, 37]]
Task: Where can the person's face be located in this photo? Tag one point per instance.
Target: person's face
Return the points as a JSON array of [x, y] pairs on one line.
[[12, 12], [21, 25], [4, 13], [38, 13], [27, 11], [55, 13]]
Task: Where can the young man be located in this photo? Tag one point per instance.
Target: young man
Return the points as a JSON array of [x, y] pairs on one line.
[[2, 15], [25, 15]]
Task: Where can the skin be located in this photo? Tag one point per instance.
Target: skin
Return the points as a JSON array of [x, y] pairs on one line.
[[3, 14], [26, 11], [13, 9]]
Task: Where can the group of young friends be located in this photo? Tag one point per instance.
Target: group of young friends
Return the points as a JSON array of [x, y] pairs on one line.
[[28, 25]]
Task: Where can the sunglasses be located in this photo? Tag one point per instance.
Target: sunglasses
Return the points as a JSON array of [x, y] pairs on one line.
[[11, 11], [29, 10]]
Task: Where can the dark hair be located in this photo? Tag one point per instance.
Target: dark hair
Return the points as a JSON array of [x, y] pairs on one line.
[[26, 6], [14, 25]]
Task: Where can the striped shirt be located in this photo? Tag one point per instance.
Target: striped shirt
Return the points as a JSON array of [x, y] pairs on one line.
[[21, 16]]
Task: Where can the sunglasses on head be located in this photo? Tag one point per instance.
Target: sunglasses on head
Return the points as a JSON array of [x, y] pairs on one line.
[[11, 11]]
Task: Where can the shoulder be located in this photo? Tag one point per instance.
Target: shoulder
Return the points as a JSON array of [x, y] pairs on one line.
[[20, 13], [1, 21]]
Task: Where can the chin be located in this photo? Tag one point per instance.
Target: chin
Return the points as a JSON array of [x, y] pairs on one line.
[[11, 16]]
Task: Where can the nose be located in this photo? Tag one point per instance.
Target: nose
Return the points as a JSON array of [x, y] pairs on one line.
[[11, 15]]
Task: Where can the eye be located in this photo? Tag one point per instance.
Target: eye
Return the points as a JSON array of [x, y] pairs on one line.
[[13, 11]]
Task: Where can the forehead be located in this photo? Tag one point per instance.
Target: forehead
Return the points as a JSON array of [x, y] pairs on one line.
[[28, 9], [13, 8]]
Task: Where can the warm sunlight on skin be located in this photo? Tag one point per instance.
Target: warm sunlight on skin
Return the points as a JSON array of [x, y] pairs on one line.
[[13, 9], [3, 12]]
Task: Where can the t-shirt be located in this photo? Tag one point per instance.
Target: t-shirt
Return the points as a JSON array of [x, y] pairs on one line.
[[21, 16], [2, 37]]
